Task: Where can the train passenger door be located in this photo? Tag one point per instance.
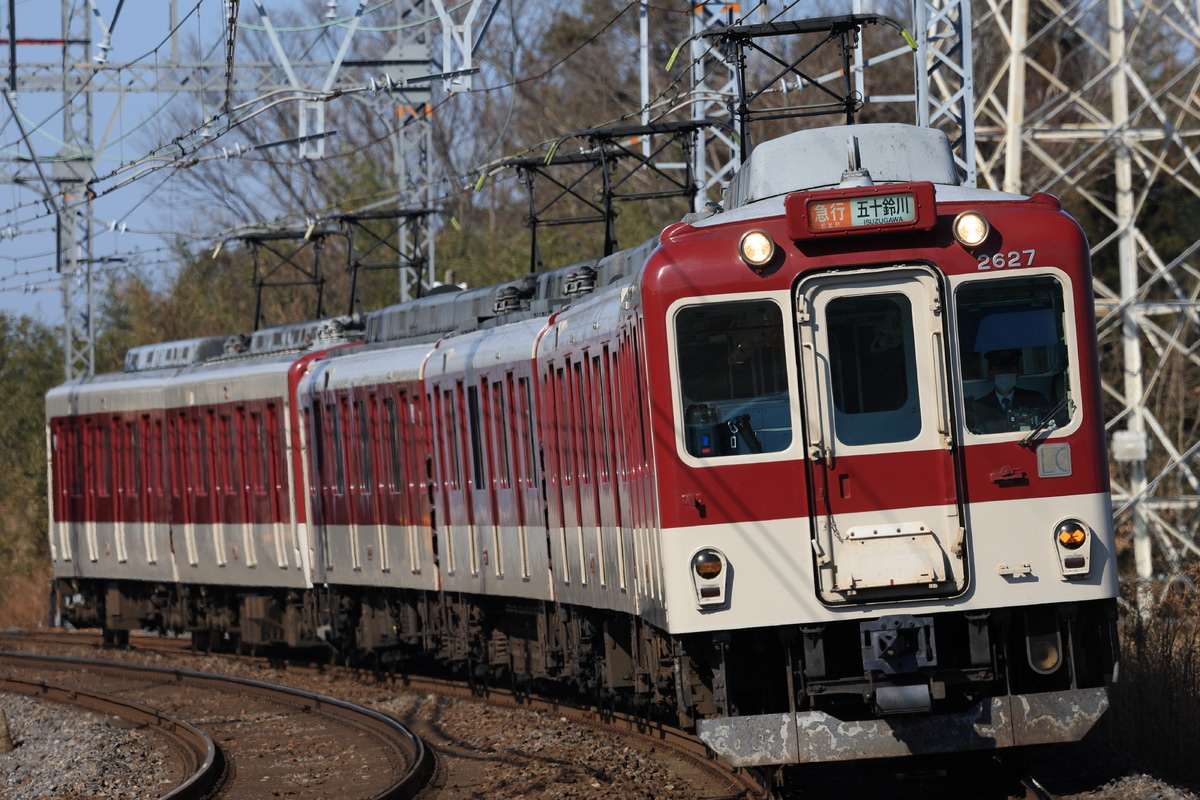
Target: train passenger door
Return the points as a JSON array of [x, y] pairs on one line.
[[886, 520]]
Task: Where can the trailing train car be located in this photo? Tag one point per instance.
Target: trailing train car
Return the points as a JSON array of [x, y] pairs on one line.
[[820, 475], [179, 472]]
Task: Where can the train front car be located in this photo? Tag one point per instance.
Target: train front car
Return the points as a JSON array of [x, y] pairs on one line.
[[873, 543]]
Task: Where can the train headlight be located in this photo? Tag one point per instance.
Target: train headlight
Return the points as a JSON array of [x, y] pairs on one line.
[[756, 248], [971, 228], [1073, 544], [710, 577], [1044, 652], [1043, 640]]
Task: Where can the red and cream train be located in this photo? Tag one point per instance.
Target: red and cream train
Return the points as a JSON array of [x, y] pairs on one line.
[[743, 475]]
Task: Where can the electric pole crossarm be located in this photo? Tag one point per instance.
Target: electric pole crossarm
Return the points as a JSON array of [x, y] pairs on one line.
[[459, 39]]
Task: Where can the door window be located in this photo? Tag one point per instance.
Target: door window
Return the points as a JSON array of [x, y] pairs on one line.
[[872, 365]]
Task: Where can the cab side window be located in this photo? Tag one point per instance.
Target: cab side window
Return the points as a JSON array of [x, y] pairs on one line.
[[733, 378], [1013, 354]]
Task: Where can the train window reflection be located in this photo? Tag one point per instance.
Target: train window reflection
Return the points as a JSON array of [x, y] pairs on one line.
[[873, 369], [1013, 354], [733, 378]]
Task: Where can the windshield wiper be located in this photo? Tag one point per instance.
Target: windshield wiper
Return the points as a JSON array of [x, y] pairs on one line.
[[1048, 420]]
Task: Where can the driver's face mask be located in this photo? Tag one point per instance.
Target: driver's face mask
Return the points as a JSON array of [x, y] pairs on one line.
[[1005, 381]]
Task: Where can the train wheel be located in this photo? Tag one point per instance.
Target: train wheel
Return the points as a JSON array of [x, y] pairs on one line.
[[114, 638], [202, 641]]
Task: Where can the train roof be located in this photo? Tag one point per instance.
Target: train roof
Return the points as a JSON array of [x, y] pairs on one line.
[[820, 157], [280, 339], [460, 311]]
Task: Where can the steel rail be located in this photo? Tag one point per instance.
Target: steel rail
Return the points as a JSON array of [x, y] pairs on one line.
[[200, 754], [418, 758]]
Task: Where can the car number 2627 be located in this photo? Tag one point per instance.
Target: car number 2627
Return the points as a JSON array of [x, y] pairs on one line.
[[1013, 258]]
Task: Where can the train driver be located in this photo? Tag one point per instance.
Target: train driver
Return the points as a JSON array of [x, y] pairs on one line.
[[993, 411]]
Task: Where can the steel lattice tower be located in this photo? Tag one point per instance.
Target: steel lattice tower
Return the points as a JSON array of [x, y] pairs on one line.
[[1071, 112]]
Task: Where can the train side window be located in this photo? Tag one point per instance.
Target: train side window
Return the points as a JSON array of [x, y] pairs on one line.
[[336, 450], [156, 459], [276, 477], [733, 378], [873, 369], [228, 444], [450, 438], [176, 435], [601, 396], [134, 473], [313, 422], [477, 462], [363, 435], [501, 422], [204, 428], [103, 459], [1013, 354], [583, 424], [531, 455], [258, 451], [237, 447], [75, 448], [392, 435]]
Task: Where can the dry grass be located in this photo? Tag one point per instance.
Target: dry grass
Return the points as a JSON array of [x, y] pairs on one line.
[[25, 600], [1156, 701]]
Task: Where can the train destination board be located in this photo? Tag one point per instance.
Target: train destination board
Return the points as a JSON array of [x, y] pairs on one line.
[[881, 209]]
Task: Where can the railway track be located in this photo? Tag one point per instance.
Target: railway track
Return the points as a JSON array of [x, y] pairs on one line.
[[255, 734], [461, 763], [198, 756], [466, 768]]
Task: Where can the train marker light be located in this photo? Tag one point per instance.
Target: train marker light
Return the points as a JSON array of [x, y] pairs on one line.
[[707, 564], [756, 248], [709, 577], [1071, 535], [1074, 548], [971, 228]]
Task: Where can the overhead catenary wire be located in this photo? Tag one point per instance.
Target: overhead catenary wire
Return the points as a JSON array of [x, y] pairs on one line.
[[188, 147]]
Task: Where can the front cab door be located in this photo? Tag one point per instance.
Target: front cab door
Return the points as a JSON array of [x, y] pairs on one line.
[[886, 522]]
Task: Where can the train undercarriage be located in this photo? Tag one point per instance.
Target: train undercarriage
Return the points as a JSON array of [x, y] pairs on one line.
[[895, 667]]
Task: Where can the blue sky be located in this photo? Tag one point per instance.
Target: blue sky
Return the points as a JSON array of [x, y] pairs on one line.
[[137, 219]]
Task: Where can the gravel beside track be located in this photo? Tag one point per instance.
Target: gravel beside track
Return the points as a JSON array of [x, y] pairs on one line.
[[67, 754], [1092, 770]]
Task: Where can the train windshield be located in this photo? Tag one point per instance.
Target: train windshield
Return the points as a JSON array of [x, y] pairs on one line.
[[1013, 354], [733, 378]]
